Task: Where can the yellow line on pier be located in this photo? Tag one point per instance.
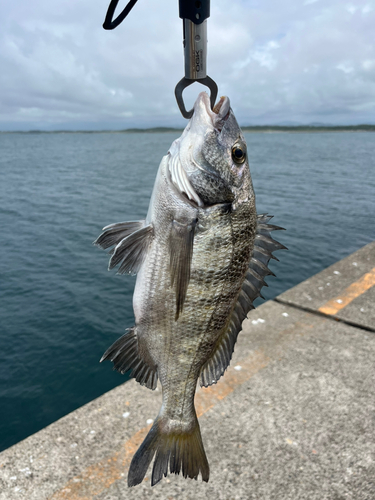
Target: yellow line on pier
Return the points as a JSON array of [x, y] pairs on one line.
[[98, 477], [353, 291]]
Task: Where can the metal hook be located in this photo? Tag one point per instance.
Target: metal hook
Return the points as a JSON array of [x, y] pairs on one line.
[[185, 82], [109, 24], [194, 15]]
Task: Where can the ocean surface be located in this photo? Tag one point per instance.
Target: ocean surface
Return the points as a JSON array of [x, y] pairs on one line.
[[59, 306]]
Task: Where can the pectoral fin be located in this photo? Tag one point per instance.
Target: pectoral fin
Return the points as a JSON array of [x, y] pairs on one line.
[[181, 252]]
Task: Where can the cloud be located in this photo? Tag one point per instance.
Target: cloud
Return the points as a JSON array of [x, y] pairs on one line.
[[345, 67], [351, 8], [262, 54], [287, 61], [367, 8]]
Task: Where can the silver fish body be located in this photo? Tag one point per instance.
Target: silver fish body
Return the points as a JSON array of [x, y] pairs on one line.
[[201, 257]]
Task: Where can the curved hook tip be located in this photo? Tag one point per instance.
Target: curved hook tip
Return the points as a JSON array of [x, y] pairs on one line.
[[185, 82]]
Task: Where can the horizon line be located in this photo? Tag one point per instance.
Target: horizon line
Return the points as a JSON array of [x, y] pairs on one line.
[[246, 128]]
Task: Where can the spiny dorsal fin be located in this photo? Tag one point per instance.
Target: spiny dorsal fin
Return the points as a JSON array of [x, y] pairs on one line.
[[125, 356], [132, 250], [264, 245], [181, 252]]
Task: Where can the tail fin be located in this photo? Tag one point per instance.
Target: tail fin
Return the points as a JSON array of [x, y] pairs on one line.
[[182, 450]]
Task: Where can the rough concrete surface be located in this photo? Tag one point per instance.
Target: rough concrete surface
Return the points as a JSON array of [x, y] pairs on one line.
[[332, 282], [293, 417]]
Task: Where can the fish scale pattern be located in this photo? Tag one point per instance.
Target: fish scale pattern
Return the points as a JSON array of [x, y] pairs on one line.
[[254, 281], [201, 259]]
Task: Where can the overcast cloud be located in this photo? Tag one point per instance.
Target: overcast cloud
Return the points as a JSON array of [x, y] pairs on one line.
[[292, 61]]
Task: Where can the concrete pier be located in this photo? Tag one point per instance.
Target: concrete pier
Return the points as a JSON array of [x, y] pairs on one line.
[[293, 417]]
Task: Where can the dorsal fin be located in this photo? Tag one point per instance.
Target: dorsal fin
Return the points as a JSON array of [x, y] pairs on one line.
[[264, 245]]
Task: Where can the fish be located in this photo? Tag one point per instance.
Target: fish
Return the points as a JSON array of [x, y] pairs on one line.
[[201, 256]]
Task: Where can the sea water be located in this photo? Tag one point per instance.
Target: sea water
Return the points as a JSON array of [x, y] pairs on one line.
[[60, 308]]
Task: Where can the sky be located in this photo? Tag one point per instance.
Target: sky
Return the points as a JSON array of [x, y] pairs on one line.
[[289, 62]]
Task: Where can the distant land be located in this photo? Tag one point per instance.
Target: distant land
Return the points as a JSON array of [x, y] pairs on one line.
[[250, 128]]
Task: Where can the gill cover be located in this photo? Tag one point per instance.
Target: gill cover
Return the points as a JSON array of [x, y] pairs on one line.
[[204, 162]]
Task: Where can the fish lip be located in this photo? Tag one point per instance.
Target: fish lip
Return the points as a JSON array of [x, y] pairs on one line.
[[205, 100], [218, 115]]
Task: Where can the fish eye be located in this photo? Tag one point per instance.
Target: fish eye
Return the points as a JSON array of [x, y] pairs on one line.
[[238, 153]]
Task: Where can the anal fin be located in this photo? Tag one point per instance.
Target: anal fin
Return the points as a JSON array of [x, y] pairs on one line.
[[125, 357]]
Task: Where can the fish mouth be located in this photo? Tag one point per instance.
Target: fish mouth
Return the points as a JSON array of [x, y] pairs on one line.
[[216, 116], [204, 119], [222, 107]]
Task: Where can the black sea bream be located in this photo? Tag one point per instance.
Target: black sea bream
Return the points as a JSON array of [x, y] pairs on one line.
[[201, 257]]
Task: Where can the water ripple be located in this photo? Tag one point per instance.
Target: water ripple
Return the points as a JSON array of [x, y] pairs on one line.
[[60, 308]]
